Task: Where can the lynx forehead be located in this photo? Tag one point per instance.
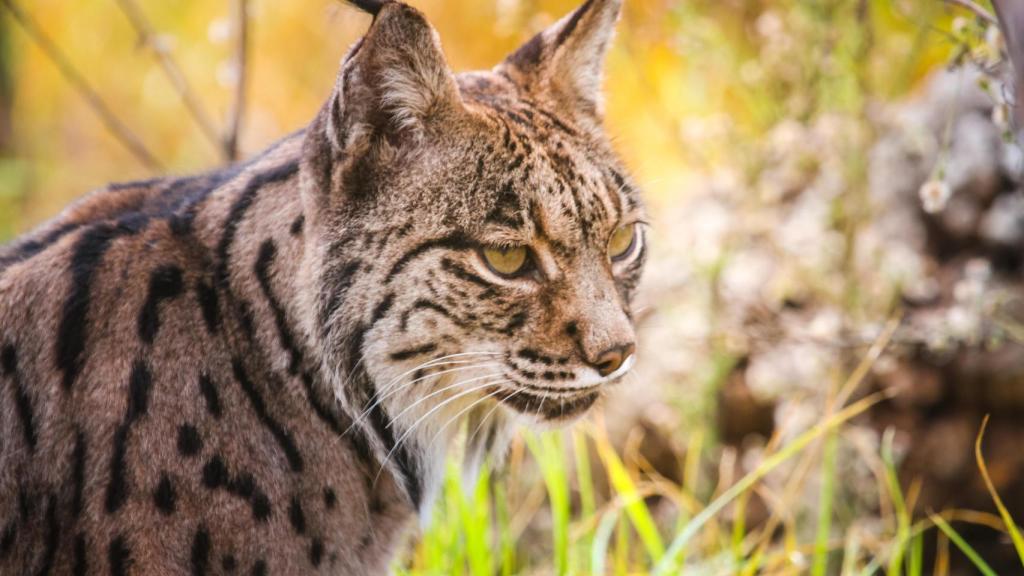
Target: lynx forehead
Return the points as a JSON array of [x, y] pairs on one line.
[[258, 370]]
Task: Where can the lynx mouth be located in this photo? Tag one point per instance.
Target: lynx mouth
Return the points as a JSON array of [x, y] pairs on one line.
[[548, 406]]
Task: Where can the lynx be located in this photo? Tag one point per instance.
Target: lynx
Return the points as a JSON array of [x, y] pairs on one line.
[[261, 369]]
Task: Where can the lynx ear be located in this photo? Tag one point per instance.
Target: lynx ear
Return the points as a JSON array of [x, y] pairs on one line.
[[567, 59], [394, 83]]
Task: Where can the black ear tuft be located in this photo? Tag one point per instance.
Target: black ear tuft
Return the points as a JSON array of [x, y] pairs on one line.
[[371, 6]]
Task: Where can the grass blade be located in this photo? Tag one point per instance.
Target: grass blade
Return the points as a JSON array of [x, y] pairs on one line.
[[1011, 527], [636, 508], [668, 561], [964, 547]]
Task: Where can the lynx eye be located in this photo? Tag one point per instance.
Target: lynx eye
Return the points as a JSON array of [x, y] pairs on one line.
[[511, 261], [622, 242]]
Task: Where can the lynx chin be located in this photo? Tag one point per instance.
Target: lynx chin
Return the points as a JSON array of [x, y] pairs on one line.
[[259, 370]]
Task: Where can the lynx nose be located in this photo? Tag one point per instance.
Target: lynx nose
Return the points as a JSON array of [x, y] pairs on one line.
[[613, 358]]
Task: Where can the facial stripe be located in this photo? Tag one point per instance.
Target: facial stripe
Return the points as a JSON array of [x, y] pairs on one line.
[[413, 352], [461, 273], [450, 242]]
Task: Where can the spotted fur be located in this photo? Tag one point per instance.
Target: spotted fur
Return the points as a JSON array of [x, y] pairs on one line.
[[259, 370]]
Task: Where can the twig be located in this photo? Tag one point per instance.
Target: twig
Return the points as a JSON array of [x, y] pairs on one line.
[[148, 38], [976, 9], [117, 128], [241, 15]]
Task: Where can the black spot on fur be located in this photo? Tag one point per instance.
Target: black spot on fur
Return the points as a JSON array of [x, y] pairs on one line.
[[215, 473], [7, 539], [296, 516], [316, 552], [200, 551], [119, 556], [52, 538], [26, 505], [190, 442], [330, 498], [22, 403], [165, 496], [118, 487], [298, 225], [282, 436], [139, 384], [209, 391], [229, 563], [78, 474], [81, 566], [86, 258], [515, 322], [207, 296], [259, 568], [165, 283], [260, 506]]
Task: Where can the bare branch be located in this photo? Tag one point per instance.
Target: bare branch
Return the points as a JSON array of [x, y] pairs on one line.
[[241, 17], [148, 38], [1011, 24], [975, 8], [117, 128]]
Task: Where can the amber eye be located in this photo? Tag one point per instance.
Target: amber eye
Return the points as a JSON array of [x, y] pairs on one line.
[[507, 261], [622, 242]]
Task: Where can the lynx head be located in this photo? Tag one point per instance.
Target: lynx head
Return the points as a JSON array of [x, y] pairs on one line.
[[474, 241]]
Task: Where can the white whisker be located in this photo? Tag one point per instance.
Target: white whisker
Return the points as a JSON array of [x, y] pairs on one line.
[[398, 388], [435, 393], [409, 431]]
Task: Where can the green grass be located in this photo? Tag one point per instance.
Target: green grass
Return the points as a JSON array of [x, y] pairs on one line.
[[568, 503]]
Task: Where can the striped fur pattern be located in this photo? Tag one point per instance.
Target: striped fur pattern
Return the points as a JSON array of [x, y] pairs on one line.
[[259, 370]]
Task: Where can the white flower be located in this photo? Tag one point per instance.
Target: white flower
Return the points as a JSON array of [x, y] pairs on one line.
[[934, 195]]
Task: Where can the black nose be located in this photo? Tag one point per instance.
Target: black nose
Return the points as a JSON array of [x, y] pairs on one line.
[[613, 358]]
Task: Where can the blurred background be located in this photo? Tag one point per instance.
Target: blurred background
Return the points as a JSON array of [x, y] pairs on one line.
[[831, 310]]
